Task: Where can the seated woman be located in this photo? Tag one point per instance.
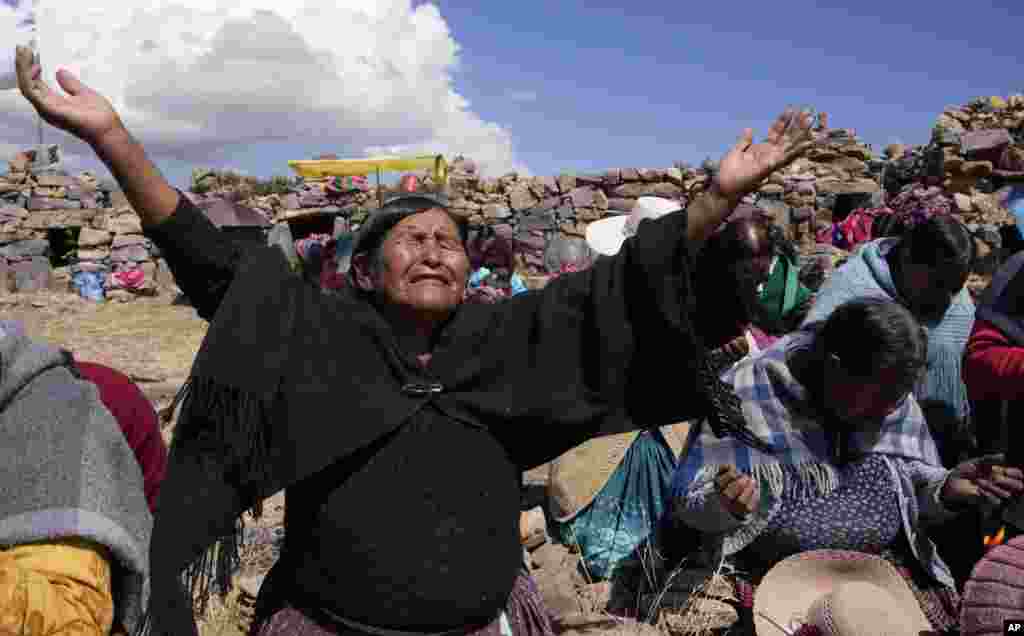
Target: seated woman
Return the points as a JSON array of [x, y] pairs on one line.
[[731, 270], [135, 415], [828, 449], [784, 299], [925, 270], [994, 363], [74, 525]]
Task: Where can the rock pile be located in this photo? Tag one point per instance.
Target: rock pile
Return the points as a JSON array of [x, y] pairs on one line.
[[974, 157], [840, 174], [39, 205]]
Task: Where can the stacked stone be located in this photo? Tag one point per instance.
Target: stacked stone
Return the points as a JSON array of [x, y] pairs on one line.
[[321, 195], [550, 214], [978, 152], [133, 265], [840, 173], [37, 196]]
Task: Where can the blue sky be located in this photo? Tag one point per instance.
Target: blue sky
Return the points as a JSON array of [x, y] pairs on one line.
[[585, 86], [657, 81]]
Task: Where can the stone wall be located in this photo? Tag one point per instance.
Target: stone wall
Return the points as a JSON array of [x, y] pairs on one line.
[[975, 154]]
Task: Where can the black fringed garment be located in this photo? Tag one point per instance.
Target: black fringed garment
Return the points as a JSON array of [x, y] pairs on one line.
[[402, 500]]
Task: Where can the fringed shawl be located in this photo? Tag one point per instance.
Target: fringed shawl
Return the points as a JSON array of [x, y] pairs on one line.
[[279, 354], [779, 412]]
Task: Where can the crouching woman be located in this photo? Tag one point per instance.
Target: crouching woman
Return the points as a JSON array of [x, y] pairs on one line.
[[835, 454], [74, 525]]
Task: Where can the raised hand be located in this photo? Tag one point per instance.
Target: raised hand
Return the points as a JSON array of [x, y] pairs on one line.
[[82, 111], [747, 164], [738, 491]]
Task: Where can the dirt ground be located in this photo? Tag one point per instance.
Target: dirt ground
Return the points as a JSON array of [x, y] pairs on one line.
[[154, 341]]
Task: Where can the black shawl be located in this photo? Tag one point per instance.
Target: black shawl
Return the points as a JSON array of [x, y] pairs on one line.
[[591, 351]]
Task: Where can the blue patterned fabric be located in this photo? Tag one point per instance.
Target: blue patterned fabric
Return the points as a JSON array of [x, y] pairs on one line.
[[862, 514], [625, 512]]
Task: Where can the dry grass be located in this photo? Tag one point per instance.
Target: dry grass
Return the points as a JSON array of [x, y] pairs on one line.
[[149, 338], [663, 603], [223, 617]]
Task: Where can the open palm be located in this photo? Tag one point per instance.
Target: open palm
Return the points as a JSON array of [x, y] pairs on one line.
[[747, 164], [82, 112]]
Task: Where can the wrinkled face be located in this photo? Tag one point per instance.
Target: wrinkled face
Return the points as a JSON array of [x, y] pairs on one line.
[[858, 400], [423, 265], [930, 289]]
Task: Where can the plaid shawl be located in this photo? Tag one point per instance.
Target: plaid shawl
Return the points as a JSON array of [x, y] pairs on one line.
[[778, 411]]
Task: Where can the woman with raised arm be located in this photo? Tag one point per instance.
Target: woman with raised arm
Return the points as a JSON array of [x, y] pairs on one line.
[[402, 511]]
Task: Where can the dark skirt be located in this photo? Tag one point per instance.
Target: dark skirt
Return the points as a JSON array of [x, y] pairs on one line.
[[524, 615]]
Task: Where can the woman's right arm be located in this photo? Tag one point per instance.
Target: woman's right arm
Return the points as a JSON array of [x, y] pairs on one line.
[[200, 257]]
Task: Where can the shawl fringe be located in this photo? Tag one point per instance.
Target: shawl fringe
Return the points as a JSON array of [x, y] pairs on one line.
[[211, 573], [229, 430], [809, 480], [725, 416], [812, 479]]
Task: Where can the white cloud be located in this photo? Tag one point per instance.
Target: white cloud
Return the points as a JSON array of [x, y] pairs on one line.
[[191, 76]]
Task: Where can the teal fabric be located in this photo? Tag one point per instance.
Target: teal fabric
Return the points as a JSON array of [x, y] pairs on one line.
[[625, 512]]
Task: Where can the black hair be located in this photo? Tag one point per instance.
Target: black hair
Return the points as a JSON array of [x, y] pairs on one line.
[[727, 246], [940, 241], [781, 245], [717, 297], [380, 223], [397, 210], [730, 244], [869, 334]]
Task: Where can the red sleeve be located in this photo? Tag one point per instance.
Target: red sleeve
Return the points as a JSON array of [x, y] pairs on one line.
[[138, 421], [993, 368]]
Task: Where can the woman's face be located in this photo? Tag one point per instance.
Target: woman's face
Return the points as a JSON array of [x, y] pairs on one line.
[[858, 400], [930, 289]]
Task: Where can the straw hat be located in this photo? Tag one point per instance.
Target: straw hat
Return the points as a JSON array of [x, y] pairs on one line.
[[607, 235], [995, 591], [839, 592]]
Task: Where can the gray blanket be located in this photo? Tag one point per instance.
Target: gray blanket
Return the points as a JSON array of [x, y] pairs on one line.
[[66, 469]]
